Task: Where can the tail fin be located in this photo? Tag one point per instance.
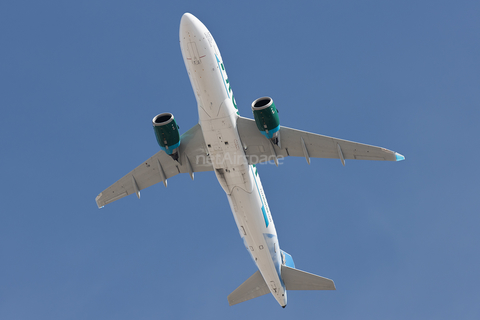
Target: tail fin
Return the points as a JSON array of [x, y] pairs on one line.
[[293, 279], [300, 280], [254, 287]]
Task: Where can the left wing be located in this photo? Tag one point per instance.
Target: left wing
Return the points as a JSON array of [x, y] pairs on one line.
[[299, 143], [160, 167]]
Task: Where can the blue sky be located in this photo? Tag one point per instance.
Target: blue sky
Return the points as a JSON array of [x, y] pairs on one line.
[[81, 81]]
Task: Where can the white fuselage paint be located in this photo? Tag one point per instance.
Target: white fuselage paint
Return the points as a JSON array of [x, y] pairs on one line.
[[218, 120]]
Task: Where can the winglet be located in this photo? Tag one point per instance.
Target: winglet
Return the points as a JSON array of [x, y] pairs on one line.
[[399, 157], [98, 203]]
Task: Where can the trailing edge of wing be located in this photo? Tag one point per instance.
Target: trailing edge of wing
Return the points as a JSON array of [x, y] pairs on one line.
[[160, 167], [299, 143]]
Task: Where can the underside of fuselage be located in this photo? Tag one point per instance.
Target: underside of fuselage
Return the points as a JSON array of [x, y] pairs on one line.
[[218, 119]]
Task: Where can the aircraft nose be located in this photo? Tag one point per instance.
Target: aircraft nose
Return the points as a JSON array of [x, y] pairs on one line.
[[188, 21], [191, 27], [187, 17]]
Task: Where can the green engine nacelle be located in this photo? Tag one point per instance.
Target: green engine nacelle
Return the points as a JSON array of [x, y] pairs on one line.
[[266, 117], [166, 131]]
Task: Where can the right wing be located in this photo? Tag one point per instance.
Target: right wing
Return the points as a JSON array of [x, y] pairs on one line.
[[160, 167], [299, 143]]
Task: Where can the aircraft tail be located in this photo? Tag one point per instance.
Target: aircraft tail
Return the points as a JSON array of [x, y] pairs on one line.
[[293, 279]]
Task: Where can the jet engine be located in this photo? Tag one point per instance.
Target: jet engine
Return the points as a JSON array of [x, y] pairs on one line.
[[266, 118], [166, 132]]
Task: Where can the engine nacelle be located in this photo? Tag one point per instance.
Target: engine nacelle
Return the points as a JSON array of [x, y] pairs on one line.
[[166, 132], [266, 118]]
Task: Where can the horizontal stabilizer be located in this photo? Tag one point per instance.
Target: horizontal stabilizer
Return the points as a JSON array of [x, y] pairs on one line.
[[254, 287], [300, 280]]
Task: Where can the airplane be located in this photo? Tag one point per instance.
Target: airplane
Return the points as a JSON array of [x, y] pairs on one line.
[[230, 145]]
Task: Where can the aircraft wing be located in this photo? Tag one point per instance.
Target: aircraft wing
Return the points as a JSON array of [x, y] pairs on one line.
[[160, 167], [299, 143]]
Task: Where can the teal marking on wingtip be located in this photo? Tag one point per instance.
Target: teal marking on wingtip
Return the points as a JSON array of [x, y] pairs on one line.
[[399, 157]]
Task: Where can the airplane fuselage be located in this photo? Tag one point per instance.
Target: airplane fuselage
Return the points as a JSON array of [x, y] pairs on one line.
[[218, 116], [231, 145]]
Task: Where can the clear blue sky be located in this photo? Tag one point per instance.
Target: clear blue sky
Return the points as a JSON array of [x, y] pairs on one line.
[[80, 82]]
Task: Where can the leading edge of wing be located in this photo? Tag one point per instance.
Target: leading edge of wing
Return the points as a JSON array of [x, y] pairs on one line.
[[298, 143], [160, 167]]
